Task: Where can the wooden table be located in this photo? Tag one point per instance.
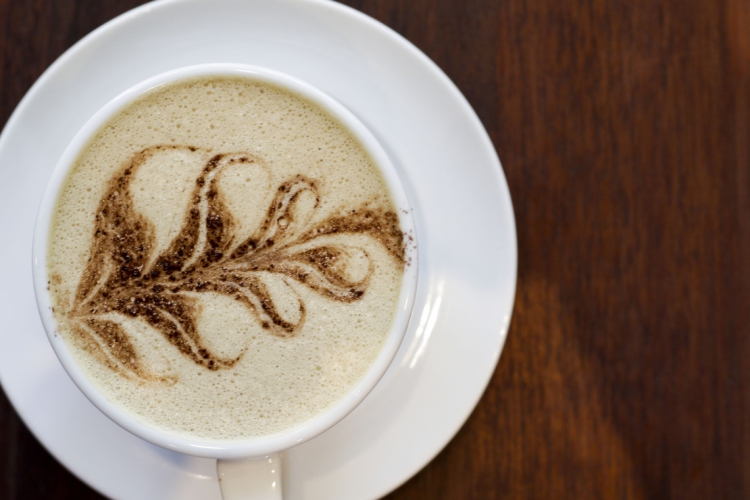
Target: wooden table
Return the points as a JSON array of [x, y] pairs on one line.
[[624, 131]]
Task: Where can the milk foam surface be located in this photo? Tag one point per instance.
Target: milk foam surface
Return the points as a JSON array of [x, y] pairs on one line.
[[281, 377]]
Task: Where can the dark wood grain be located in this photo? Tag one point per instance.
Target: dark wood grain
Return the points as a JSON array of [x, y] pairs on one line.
[[624, 132]]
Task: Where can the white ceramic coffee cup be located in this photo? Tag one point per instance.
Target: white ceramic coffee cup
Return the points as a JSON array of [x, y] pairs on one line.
[[251, 468]]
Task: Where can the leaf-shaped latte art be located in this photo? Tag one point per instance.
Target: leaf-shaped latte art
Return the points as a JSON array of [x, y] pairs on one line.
[[124, 278]]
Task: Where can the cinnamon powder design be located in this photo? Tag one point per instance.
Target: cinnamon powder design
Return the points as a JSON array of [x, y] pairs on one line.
[[124, 279]]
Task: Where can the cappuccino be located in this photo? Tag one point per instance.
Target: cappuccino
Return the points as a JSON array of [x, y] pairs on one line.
[[224, 259]]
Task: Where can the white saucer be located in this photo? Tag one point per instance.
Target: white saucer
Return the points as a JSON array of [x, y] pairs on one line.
[[452, 176]]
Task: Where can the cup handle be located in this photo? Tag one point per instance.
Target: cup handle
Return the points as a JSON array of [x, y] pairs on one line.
[[250, 478]]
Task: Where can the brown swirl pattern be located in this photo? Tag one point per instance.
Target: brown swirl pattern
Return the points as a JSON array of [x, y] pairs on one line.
[[124, 279]]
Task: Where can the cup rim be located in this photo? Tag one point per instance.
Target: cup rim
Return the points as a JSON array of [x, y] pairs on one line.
[[301, 432]]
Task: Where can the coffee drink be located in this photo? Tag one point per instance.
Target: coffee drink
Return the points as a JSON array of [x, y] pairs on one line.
[[224, 259]]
